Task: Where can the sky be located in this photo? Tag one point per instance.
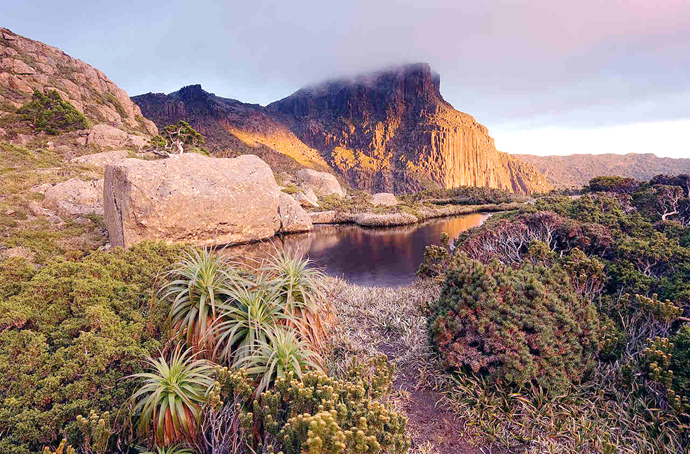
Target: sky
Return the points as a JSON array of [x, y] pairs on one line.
[[545, 76]]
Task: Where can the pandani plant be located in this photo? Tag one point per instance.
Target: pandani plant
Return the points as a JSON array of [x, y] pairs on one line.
[[298, 288], [282, 353], [196, 287], [172, 396]]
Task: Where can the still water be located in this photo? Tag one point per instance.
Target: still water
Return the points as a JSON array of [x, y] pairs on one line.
[[384, 257]]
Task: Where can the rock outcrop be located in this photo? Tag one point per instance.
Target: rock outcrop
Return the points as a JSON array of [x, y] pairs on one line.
[[575, 171], [196, 199], [307, 198], [75, 197], [27, 65], [322, 183], [100, 160], [384, 198], [292, 217]]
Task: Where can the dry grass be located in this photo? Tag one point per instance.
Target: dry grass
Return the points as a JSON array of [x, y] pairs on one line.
[[374, 320]]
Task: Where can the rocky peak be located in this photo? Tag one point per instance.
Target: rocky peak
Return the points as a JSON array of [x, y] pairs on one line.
[[392, 131], [366, 97], [27, 65]]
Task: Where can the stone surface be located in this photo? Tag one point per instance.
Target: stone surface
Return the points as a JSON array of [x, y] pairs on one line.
[[323, 217], [307, 198], [191, 198], [75, 197], [322, 183], [384, 198], [99, 160], [293, 218], [27, 65]]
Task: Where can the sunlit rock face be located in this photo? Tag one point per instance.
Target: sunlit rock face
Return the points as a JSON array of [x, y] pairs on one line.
[[392, 131]]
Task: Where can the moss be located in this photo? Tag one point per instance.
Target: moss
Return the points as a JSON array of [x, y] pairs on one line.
[[290, 189]]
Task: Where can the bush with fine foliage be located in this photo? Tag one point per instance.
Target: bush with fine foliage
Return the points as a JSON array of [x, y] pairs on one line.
[[69, 333], [51, 114], [518, 325]]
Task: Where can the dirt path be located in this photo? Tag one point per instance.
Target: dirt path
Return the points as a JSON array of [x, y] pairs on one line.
[[376, 320]]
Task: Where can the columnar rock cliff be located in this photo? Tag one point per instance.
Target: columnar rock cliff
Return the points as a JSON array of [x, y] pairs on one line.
[[393, 131], [390, 131], [27, 65]]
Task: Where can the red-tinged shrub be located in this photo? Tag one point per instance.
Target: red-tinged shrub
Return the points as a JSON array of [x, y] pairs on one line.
[[517, 325]]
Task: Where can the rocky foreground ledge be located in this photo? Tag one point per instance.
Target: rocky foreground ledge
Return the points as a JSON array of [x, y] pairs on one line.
[[196, 199]]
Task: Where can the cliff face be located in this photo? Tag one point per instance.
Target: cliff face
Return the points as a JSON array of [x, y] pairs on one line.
[[388, 131], [27, 65], [574, 171], [228, 124], [393, 131]]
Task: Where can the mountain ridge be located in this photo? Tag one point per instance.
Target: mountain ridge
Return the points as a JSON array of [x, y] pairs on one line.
[[389, 130]]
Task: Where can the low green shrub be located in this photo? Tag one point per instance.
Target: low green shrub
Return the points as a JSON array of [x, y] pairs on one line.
[[69, 333], [518, 325], [318, 414]]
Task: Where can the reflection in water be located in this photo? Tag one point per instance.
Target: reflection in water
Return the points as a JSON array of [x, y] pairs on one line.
[[375, 257]]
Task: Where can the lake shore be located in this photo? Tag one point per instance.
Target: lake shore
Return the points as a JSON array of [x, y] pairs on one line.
[[405, 215]]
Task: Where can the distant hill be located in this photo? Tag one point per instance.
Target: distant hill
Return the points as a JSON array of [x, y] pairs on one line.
[[384, 131], [577, 169]]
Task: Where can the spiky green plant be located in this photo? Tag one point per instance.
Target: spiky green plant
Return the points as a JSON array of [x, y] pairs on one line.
[[282, 352], [196, 288], [174, 449], [249, 316], [299, 289], [172, 395]]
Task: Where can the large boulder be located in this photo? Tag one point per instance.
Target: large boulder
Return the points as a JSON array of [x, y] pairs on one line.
[[100, 160], [191, 198], [292, 217], [75, 197], [384, 198], [322, 183]]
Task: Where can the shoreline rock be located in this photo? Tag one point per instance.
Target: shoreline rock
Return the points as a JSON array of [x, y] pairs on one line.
[[196, 199]]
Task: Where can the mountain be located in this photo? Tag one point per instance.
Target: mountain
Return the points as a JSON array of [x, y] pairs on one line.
[[27, 65], [577, 169], [386, 131], [228, 124]]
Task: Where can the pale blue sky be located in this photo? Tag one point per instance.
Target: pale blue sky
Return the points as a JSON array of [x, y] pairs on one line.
[[545, 76]]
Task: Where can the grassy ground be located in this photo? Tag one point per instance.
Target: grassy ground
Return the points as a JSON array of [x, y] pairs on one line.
[[26, 228], [379, 320]]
